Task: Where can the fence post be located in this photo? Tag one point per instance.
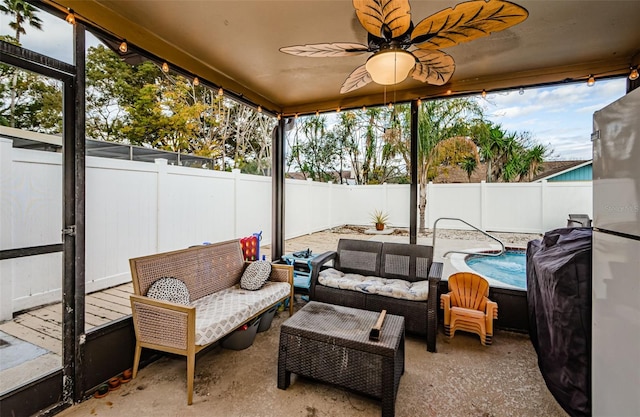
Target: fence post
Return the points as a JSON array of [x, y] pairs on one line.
[[428, 223], [483, 205], [309, 209], [330, 204], [162, 201], [236, 185], [543, 206], [6, 220]]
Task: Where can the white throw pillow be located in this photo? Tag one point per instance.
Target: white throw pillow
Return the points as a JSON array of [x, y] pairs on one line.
[[256, 274], [169, 289]]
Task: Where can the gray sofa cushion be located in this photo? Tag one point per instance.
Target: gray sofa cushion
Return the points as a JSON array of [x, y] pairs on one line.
[[394, 288]]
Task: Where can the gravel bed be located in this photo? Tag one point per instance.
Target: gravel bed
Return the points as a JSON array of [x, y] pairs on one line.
[[519, 239]]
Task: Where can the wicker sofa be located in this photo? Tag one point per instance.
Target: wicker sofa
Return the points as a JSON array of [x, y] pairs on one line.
[[365, 275], [217, 306]]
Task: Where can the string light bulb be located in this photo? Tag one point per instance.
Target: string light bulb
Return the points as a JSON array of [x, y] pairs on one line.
[[419, 102], [449, 92], [338, 109], [259, 109], [390, 105], [123, 47], [296, 116], [521, 91], [196, 81], [165, 67], [71, 19], [484, 93], [591, 81], [220, 91], [317, 113], [633, 75], [364, 108], [279, 116]]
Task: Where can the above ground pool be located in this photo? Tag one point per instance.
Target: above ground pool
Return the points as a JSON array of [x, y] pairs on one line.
[[508, 268]]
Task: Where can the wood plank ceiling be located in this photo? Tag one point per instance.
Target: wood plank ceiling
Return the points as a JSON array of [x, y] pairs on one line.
[[235, 44]]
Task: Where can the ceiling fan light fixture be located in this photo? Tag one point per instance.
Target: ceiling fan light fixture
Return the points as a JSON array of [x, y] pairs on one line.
[[390, 66]]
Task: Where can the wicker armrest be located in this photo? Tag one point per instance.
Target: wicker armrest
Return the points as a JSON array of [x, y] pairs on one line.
[[317, 264], [435, 275], [163, 323], [281, 273], [435, 271]]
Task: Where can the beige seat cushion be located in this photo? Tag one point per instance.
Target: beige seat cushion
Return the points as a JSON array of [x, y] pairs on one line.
[[221, 312]]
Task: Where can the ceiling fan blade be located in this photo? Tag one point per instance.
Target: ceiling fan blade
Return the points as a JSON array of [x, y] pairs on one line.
[[323, 50], [467, 21], [385, 19], [358, 78], [433, 67]]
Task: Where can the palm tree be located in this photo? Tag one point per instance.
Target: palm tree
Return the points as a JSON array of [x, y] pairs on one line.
[[534, 159], [439, 120], [344, 134], [469, 164], [21, 12]]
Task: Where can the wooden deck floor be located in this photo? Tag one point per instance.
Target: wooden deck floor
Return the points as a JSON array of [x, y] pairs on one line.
[[43, 326]]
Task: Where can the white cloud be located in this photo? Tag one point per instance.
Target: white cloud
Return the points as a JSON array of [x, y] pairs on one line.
[[560, 115]]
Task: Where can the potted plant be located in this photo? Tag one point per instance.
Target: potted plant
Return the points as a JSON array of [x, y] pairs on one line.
[[380, 219]]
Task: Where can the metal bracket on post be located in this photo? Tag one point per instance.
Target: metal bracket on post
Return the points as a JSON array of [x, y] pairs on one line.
[[69, 231]]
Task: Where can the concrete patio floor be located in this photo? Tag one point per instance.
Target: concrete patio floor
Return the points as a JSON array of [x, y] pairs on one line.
[[463, 378]]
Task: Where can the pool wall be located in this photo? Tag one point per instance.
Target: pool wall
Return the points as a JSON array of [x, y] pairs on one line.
[[513, 312], [512, 307]]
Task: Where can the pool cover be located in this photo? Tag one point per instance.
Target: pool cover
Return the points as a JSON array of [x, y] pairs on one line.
[[559, 304]]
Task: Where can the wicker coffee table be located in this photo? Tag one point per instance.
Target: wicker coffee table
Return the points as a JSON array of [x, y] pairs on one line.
[[331, 343]]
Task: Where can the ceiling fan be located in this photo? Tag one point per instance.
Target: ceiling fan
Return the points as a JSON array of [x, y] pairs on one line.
[[400, 48]]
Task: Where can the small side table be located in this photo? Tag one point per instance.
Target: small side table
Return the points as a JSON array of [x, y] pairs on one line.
[[301, 272], [331, 343]]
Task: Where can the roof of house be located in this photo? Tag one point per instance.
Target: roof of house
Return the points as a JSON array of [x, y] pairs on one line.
[[555, 168]]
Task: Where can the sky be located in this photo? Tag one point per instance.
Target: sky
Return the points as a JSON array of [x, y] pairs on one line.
[[558, 116]]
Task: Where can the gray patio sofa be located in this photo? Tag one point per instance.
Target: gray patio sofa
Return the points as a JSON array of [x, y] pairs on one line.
[[411, 263]]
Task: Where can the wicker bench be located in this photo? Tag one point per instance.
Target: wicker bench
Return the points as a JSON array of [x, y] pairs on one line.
[[217, 305], [384, 260]]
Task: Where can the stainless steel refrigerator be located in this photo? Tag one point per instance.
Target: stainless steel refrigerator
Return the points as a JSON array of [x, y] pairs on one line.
[[615, 356]]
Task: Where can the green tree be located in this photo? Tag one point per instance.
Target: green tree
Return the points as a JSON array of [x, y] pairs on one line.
[[379, 137], [29, 101], [345, 135], [142, 105], [469, 164], [534, 157], [510, 156], [21, 13], [317, 152], [439, 121]]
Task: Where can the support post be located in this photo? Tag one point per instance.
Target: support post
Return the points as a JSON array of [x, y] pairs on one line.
[[6, 220], [73, 233], [413, 197], [277, 191]]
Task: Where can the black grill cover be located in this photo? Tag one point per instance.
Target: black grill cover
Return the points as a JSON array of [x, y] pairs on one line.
[[559, 303]]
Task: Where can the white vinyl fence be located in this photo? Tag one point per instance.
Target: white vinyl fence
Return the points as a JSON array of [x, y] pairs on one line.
[[138, 208]]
